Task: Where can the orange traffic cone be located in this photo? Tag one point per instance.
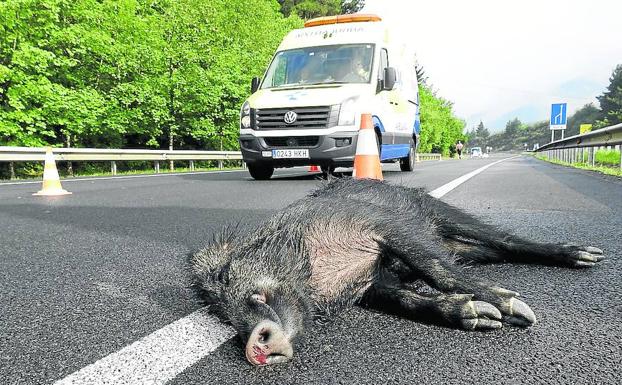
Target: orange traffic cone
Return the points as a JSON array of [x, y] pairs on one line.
[[314, 168], [51, 181], [367, 159]]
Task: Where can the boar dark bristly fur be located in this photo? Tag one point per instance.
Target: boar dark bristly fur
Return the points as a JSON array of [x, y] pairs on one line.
[[364, 242]]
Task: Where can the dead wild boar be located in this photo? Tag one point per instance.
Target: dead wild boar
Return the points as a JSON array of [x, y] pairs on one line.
[[364, 242]]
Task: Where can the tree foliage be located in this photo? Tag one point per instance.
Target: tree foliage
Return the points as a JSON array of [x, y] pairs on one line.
[[440, 129], [422, 78], [611, 100], [308, 9], [131, 73]]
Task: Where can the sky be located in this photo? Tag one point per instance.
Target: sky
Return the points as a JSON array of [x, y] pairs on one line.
[[499, 59]]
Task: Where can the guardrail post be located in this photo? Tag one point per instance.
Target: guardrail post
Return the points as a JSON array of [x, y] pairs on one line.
[[192, 165], [113, 167], [11, 170], [220, 165], [593, 156], [156, 166]]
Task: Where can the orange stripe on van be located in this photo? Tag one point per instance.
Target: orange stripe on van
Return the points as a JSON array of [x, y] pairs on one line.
[[354, 18]]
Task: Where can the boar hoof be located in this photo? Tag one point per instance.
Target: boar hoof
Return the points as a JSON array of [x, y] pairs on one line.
[[481, 316], [582, 256], [520, 314]]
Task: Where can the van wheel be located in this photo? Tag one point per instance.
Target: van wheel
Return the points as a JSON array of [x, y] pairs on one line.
[[260, 171], [408, 163], [327, 170]]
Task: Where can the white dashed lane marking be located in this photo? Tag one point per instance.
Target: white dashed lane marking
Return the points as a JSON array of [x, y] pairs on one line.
[[444, 189], [158, 357]]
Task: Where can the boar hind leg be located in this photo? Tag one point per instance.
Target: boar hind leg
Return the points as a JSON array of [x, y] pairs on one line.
[[455, 310], [485, 248], [486, 244]]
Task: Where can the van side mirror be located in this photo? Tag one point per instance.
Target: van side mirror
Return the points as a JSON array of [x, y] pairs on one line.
[[390, 78], [255, 84]]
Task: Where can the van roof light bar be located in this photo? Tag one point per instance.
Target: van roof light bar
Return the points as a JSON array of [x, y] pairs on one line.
[[353, 18]]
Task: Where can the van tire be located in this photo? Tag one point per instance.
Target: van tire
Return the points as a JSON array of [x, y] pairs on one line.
[[327, 170], [260, 171], [408, 163]]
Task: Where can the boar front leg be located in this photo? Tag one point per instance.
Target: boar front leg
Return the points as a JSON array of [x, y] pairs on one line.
[[456, 310], [427, 259]]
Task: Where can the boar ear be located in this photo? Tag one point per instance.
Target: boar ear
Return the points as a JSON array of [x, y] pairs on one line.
[[209, 267], [208, 276]]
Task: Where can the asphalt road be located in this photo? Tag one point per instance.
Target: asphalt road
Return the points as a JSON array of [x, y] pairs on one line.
[[85, 275]]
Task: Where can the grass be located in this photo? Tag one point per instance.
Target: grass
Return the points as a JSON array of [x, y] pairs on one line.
[[150, 171], [607, 162], [95, 173], [608, 157]]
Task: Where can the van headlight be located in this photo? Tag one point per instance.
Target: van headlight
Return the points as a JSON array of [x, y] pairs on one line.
[[245, 115], [348, 111]]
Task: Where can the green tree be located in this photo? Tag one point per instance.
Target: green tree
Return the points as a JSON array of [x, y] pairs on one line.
[[481, 131], [512, 127], [611, 100], [440, 129], [308, 9], [588, 114], [422, 78]]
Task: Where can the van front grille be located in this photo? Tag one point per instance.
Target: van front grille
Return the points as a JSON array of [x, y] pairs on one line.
[[292, 141], [307, 117]]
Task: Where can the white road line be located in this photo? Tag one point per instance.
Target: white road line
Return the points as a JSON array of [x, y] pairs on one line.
[[444, 189], [158, 357]]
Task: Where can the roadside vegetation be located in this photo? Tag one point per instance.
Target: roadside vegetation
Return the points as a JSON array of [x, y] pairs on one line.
[[518, 134], [606, 162], [168, 74]]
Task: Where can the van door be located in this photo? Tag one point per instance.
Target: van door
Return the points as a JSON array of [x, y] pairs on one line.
[[400, 111], [409, 95], [384, 106]]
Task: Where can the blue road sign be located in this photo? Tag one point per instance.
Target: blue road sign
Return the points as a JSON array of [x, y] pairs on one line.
[[558, 116]]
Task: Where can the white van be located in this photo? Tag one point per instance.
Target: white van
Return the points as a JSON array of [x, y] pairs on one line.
[[307, 108]]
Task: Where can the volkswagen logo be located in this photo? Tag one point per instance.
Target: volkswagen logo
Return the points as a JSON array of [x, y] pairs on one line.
[[290, 117]]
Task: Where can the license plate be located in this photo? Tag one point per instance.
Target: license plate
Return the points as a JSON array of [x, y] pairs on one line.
[[290, 154]]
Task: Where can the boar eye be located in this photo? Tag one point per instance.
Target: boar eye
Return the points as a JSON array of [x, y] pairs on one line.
[[223, 275]]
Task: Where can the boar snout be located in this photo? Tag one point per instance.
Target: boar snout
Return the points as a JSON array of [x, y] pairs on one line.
[[268, 345]]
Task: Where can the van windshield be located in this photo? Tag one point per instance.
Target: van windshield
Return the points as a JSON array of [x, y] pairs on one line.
[[348, 63]]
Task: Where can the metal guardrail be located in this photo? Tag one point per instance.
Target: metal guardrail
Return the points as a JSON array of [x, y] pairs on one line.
[[573, 148], [37, 154], [26, 154], [422, 157]]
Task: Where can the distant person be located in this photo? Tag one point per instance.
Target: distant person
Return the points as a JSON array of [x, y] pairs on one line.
[[459, 148]]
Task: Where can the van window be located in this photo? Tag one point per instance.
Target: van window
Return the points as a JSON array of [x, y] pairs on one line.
[[347, 63]]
